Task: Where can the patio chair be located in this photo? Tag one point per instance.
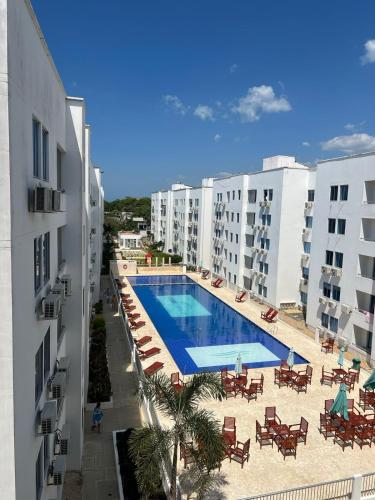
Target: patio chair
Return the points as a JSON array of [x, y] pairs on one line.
[[186, 453], [134, 325], [350, 380], [366, 399], [370, 417], [258, 382], [327, 345], [177, 383], [205, 274], [229, 423], [240, 453], [126, 301], [250, 392], [300, 430], [284, 364], [352, 407], [299, 383], [280, 378], [263, 315], [355, 374], [241, 296], [152, 369], [271, 317], [328, 403], [270, 416], [287, 446], [308, 371], [241, 380], [230, 389], [263, 436], [143, 341], [327, 377], [226, 376], [344, 436], [364, 436], [149, 353], [326, 426]]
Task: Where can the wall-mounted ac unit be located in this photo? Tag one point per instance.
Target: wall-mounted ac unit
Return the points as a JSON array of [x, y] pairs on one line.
[[50, 307], [336, 271], [306, 231], [345, 309], [263, 251], [56, 471], [62, 440], [58, 385], [326, 270], [59, 289], [305, 257], [41, 199], [48, 416], [66, 280], [332, 304], [323, 300], [56, 201], [308, 204]]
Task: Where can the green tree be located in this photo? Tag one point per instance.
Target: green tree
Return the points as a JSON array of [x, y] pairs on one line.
[[152, 445]]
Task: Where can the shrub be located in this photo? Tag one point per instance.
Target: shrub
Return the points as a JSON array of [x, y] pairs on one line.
[[99, 307], [99, 388], [98, 323], [176, 259]]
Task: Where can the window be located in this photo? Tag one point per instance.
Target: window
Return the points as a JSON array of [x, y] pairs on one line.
[[235, 258], [60, 244], [46, 355], [36, 148], [327, 290], [336, 292], [265, 243], [228, 195], [250, 218], [233, 194], [232, 217], [37, 264], [268, 219], [238, 217], [46, 454], [231, 237], [249, 240], [38, 373], [45, 152], [331, 225], [236, 238], [230, 256], [329, 257], [334, 193], [264, 219], [308, 221], [304, 298], [252, 196], [235, 279], [305, 273], [46, 257], [344, 191], [325, 320], [249, 262], [60, 330], [239, 194], [339, 257], [230, 277], [39, 474], [267, 194], [333, 324], [307, 247], [310, 195], [260, 289], [341, 223]]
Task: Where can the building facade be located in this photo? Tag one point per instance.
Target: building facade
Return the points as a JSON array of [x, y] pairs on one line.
[[47, 280]]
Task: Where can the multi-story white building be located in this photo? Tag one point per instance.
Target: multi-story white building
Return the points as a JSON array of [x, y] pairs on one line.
[[341, 285], [45, 226]]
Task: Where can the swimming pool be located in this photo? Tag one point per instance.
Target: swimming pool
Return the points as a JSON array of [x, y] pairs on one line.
[[203, 333]]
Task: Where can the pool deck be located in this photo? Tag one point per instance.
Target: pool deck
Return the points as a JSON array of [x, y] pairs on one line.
[[266, 470]]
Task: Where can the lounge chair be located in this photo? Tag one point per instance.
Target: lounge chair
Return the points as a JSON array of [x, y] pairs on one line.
[[143, 341], [133, 316], [205, 274], [152, 369], [263, 315], [240, 453], [134, 325], [218, 283], [129, 308], [241, 296], [327, 345], [177, 383], [263, 436], [271, 317], [147, 354], [125, 295]]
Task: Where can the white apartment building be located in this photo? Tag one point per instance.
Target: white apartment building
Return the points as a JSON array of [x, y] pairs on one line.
[[46, 280], [341, 285], [161, 218]]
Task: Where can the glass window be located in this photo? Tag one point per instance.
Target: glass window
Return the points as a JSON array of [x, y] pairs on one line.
[[326, 289], [37, 263], [339, 257], [236, 238], [333, 324], [239, 194], [235, 279], [341, 223], [344, 191], [331, 225], [260, 289], [324, 320], [233, 194], [228, 195], [270, 198], [336, 292], [303, 297], [334, 193], [39, 474], [264, 219], [265, 291], [250, 218], [46, 257], [310, 195], [232, 216], [268, 219], [230, 256], [252, 196], [305, 273], [47, 355], [308, 221], [265, 267], [38, 373], [231, 237], [36, 148], [329, 257], [45, 154], [238, 217], [306, 246]]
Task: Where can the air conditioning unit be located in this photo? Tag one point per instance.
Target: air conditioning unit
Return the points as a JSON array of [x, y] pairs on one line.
[[264, 228], [62, 438], [48, 416], [305, 257], [332, 304], [56, 471], [59, 289], [66, 280], [326, 270], [263, 251], [58, 385], [56, 201], [306, 231], [345, 309], [41, 199], [323, 300], [50, 306], [336, 271], [308, 204]]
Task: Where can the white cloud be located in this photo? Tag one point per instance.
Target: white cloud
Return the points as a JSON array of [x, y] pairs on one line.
[[173, 102], [204, 112], [217, 137], [369, 55], [306, 144], [355, 143], [354, 126], [233, 68], [260, 100]]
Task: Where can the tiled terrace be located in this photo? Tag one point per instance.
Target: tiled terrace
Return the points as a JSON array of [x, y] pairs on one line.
[[266, 470]]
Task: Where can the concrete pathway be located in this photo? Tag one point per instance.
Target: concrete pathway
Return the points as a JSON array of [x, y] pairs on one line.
[[98, 468]]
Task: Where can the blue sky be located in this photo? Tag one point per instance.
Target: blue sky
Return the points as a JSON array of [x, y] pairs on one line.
[[177, 89]]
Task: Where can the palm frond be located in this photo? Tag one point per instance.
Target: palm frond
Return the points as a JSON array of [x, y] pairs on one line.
[[202, 484], [159, 391], [201, 386]]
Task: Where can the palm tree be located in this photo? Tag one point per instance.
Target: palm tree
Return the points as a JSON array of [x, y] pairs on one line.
[[151, 446]]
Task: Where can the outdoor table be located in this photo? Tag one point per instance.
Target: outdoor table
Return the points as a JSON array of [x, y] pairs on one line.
[[290, 374], [339, 374], [279, 429]]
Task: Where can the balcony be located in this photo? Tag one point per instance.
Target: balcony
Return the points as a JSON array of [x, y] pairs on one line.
[[265, 204], [309, 205], [306, 233], [332, 271]]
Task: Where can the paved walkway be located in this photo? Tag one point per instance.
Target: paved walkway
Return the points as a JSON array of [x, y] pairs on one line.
[[98, 468]]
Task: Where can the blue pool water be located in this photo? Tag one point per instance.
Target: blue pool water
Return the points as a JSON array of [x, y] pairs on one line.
[[201, 332]]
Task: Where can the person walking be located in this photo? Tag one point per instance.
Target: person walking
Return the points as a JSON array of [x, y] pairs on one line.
[[97, 416]]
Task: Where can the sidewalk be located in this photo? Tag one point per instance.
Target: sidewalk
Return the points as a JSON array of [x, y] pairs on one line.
[[98, 466]]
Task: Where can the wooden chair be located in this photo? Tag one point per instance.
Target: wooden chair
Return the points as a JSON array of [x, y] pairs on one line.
[[327, 377], [326, 426], [300, 430], [352, 407], [263, 436], [229, 423], [226, 376], [355, 374], [328, 403], [230, 389], [287, 445], [308, 371], [270, 416], [280, 377], [177, 383], [240, 453], [364, 436], [250, 392], [258, 382], [241, 380], [344, 436], [366, 399], [284, 364], [350, 380], [299, 383], [327, 346]]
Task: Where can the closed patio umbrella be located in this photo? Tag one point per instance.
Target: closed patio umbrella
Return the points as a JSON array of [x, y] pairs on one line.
[[290, 360], [340, 405], [340, 360], [238, 366], [370, 382]]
